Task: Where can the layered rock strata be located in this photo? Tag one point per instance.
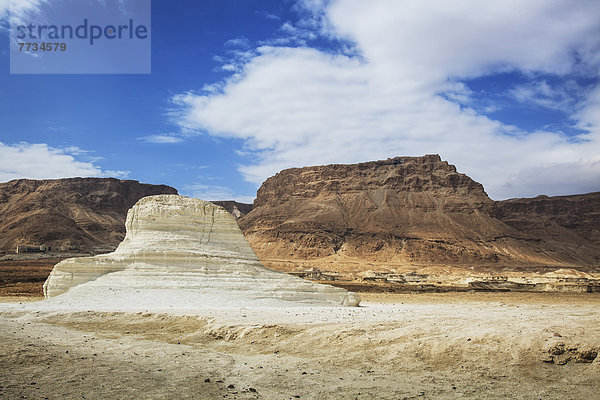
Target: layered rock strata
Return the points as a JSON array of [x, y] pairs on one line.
[[570, 224], [405, 214], [183, 252], [83, 215]]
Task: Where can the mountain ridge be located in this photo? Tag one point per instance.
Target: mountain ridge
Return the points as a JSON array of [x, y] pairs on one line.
[[404, 213], [401, 214], [76, 214]]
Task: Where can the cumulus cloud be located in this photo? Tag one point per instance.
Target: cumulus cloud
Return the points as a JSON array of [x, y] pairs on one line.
[[40, 161], [402, 92]]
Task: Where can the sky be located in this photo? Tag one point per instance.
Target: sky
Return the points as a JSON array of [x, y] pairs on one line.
[[508, 91]]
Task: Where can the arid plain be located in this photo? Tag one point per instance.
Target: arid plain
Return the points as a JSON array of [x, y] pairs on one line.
[[394, 346]]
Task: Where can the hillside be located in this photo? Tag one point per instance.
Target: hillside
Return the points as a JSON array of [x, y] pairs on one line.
[[75, 214], [556, 216], [412, 214]]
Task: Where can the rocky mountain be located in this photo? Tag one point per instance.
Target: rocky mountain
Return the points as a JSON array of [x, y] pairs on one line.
[[570, 224], [557, 216], [409, 219], [76, 214], [413, 214]]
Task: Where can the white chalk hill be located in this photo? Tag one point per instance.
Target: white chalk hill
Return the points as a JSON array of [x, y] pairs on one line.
[[182, 253]]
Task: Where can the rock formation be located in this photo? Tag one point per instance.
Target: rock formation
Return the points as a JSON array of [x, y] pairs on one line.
[[405, 214], [78, 214], [238, 210], [570, 224], [182, 252]]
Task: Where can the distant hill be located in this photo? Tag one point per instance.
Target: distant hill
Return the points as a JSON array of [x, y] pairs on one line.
[[81, 214], [568, 224], [401, 214], [410, 213], [238, 210]]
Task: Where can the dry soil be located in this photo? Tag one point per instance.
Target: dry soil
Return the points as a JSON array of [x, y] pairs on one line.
[[401, 346]]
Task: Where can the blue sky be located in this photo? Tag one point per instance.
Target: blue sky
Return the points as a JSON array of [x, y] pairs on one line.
[[508, 91]]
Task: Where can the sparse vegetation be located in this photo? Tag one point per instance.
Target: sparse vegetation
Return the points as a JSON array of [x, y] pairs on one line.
[[25, 277]]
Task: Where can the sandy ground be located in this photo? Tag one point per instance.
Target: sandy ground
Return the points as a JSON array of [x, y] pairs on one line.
[[402, 346]]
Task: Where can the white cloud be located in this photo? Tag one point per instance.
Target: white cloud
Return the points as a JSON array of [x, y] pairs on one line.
[[589, 115], [268, 15], [119, 174], [4, 9], [562, 97], [301, 106], [574, 177], [40, 161], [240, 42], [161, 139], [214, 193]]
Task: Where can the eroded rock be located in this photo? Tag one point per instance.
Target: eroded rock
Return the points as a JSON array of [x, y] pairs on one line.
[[181, 252]]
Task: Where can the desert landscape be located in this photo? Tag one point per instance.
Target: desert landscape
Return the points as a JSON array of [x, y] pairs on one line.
[[300, 199], [183, 307], [403, 346], [404, 224]]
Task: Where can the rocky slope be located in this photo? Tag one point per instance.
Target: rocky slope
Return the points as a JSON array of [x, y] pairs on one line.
[[238, 210], [412, 214], [79, 214], [556, 217]]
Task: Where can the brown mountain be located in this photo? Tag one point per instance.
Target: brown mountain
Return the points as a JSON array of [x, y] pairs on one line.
[[80, 214], [570, 224], [409, 214], [578, 213]]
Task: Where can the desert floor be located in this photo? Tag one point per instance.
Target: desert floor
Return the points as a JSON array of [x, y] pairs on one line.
[[400, 346], [25, 277]]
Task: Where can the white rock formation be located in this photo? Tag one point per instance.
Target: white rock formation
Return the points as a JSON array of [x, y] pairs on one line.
[[183, 253]]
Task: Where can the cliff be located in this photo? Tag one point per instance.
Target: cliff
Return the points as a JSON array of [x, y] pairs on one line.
[[579, 214], [569, 224], [403, 214], [78, 214]]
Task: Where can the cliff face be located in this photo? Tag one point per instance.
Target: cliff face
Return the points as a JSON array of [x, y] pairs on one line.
[[578, 214], [82, 214], [399, 213], [570, 224]]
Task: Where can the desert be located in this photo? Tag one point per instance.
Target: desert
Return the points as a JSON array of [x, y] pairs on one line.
[[184, 309], [400, 224], [394, 346], [300, 199]]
